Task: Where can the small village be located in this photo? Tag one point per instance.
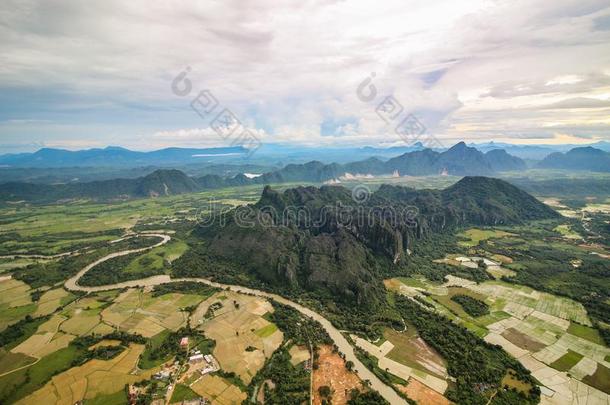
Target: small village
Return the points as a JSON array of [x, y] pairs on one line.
[[186, 372]]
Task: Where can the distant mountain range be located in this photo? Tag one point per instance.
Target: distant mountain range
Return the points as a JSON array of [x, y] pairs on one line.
[[268, 154], [586, 158], [534, 152], [459, 160], [113, 156], [342, 251]]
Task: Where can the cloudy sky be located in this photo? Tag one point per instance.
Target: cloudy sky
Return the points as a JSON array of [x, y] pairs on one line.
[[79, 74]]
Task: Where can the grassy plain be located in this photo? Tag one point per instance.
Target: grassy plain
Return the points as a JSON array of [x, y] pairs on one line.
[[118, 398], [585, 332], [52, 229], [472, 237], [182, 393], [567, 232]]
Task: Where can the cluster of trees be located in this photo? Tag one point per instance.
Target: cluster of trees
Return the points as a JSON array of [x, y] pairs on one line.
[[232, 378], [365, 398], [124, 337], [100, 352], [83, 344], [472, 306], [56, 271], [183, 287], [291, 382], [298, 328], [196, 262], [113, 271], [40, 245], [52, 272], [600, 225], [159, 351], [21, 330]]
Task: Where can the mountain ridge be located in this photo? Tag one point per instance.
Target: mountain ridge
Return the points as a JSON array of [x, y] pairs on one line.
[[459, 160]]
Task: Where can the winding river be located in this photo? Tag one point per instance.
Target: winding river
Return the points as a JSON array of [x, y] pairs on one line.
[[344, 346]]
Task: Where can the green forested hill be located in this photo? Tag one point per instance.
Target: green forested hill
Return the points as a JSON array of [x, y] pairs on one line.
[[160, 182], [312, 238], [587, 158]]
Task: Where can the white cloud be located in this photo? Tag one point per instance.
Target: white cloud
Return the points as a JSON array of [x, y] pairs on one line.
[[470, 69]]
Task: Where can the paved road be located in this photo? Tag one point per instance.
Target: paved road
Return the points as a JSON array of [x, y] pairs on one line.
[[344, 346]]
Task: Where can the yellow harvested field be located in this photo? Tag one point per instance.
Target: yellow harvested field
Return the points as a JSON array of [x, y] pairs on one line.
[[46, 340], [233, 326], [52, 325], [102, 329], [96, 377], [34, 344], [498, 272], [218, 390], [50, 301], [144, 326], [88, 303], [81, 323], [138, 312], [14, 293], [59, 341], [501, 258]]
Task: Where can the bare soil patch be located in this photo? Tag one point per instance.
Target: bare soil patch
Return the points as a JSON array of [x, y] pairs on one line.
[[523, 341], [332, 372], [422, 394]]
